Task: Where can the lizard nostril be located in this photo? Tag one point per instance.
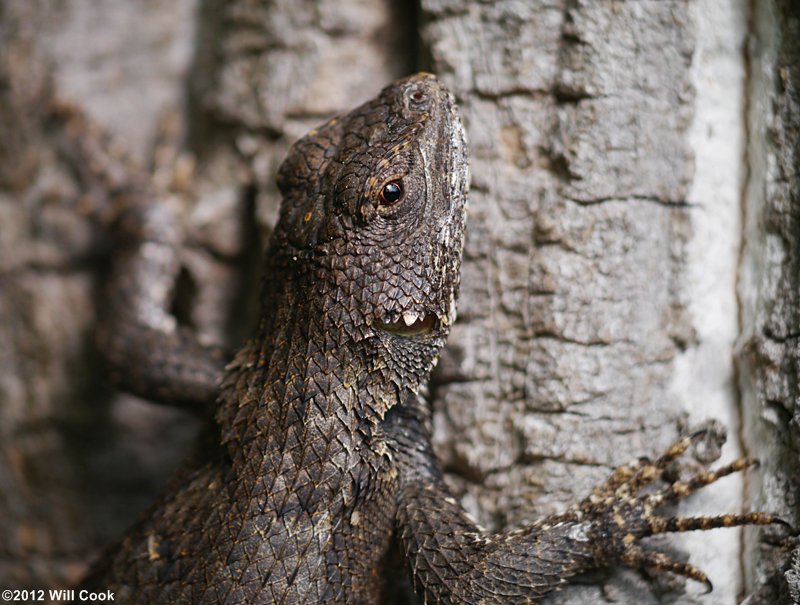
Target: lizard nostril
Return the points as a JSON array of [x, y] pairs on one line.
[[418, 98]]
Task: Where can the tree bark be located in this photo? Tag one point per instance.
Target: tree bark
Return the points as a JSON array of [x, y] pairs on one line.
[[633, 227], [768, 354]]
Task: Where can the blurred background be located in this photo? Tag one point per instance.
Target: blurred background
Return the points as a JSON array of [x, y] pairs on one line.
[[631, 265]]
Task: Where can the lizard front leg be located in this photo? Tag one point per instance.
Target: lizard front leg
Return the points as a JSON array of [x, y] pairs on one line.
[[149, 353], [453, 560]]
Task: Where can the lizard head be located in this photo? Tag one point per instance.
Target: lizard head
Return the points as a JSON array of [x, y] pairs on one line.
[[372, 221]]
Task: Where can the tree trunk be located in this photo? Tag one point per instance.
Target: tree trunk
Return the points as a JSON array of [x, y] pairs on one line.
[[631, 265]]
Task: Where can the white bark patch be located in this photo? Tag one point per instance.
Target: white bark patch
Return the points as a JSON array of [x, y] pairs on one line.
[[704, 372]]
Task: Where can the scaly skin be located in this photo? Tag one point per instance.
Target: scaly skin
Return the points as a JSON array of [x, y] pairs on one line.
[[320, 457]]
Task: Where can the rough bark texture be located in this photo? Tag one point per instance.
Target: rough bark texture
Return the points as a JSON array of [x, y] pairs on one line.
[[73, 464], [577, 310], [574, 307], [769, 350]]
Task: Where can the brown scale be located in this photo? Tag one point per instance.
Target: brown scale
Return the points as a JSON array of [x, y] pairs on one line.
[[320, 463]]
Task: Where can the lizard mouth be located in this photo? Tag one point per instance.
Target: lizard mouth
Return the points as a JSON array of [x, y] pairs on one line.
[[410, 324]]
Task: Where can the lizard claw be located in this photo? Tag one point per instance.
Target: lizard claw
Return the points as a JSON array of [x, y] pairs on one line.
[[659, 562], [623, 514]]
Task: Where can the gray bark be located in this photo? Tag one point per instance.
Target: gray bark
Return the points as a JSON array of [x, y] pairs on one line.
[[633, 223], [769, 347]]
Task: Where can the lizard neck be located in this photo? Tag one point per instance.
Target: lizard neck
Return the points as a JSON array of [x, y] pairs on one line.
[[313, 378], [302, 454]]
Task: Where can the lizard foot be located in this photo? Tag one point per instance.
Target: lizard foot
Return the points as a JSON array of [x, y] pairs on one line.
[[624, 513]]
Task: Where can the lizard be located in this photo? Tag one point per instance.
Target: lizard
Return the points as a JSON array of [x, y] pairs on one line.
[[319, 459]]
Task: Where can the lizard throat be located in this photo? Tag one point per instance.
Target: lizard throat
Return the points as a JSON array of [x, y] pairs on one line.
[[409, 326]]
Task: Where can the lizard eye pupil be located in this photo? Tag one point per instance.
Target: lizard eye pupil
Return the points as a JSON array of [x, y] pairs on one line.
[[391, 193]]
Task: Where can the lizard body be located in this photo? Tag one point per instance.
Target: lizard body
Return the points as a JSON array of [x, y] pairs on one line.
[[320, 457]]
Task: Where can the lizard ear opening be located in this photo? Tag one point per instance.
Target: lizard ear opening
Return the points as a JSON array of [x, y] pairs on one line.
[[308, 157], [300, 180]]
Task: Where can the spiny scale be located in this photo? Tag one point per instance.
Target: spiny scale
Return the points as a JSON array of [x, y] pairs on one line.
[[320, 457]]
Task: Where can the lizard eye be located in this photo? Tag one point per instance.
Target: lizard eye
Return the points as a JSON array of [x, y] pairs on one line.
[[391, 193]]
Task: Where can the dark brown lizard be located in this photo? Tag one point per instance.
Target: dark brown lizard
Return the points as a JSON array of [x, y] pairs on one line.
[[320, 458]]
